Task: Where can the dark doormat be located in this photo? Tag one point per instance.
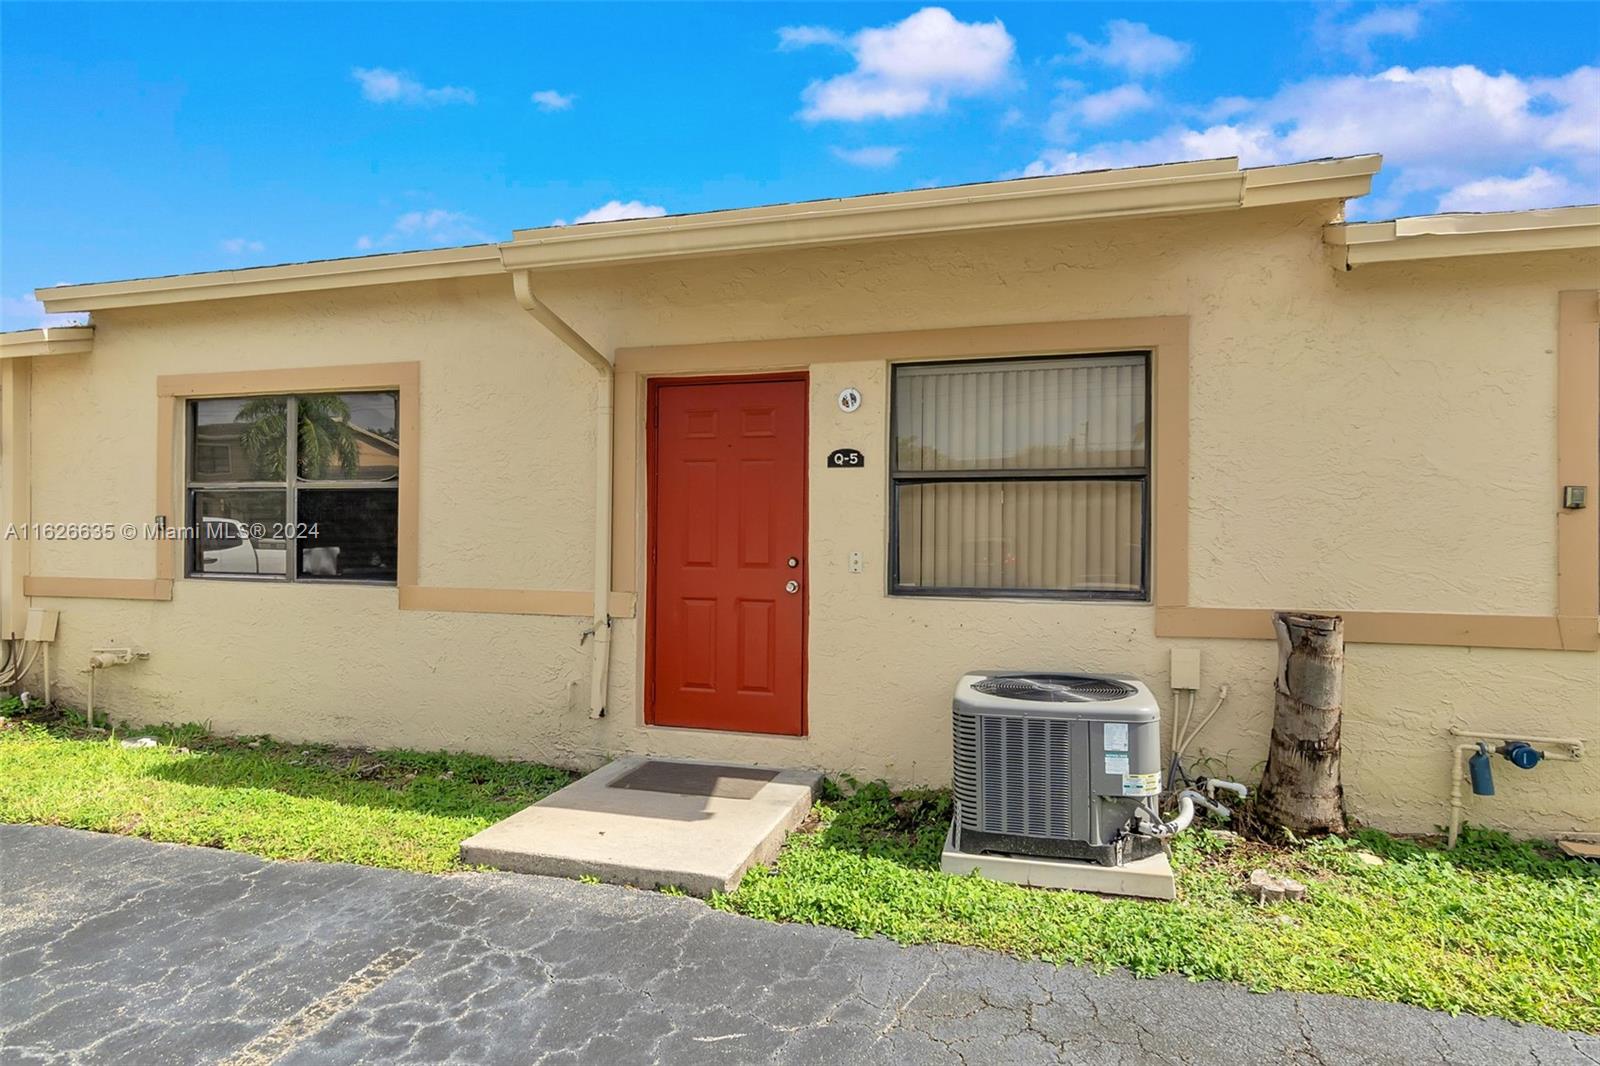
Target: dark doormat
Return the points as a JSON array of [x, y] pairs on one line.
[[696, 779]]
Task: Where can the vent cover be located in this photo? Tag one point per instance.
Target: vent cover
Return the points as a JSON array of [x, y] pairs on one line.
[[1011, 775], [1055, 688]]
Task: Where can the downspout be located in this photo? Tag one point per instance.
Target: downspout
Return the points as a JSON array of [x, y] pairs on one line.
[[600, 673]]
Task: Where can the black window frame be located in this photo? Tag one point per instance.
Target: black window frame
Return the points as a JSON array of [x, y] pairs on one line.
[[291, 484], [1141, 474]]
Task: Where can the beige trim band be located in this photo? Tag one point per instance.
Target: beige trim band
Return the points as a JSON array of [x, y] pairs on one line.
[[1393, 627], [1578, 454], [576, 603], [16, 472], [98, 588], [903, 346], [352, 377]]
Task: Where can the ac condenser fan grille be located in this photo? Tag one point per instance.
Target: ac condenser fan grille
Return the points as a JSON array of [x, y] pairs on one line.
[[1054, 688]]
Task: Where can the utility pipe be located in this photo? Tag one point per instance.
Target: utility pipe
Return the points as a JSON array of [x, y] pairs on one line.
[[1573, 753], [600, 671]]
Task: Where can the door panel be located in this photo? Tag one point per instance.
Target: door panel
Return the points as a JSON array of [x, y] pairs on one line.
[[728, 490]]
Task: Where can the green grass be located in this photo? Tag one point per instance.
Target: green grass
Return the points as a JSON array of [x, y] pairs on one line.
[[1497, 927], [400, 809]]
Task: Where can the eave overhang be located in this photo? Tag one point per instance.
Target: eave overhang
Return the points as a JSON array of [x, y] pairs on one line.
[[49, 340], [1168, 189], [393, 268], [1446, 236]]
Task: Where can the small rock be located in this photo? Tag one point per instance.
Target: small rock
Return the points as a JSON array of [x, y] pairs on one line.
[[1284, 919], [1264, 887], [141, 742], [253, 744], [1366, 858], [1226, 836]]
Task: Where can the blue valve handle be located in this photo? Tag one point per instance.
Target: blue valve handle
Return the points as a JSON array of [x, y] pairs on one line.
[[1520, 753]]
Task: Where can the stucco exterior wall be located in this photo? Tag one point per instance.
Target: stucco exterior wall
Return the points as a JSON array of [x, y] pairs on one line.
[[1375, 440]]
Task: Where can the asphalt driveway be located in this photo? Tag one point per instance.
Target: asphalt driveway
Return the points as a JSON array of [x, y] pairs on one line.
[[120, 951]]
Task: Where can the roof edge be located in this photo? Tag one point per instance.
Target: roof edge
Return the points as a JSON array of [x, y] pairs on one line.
[[46, 340], [1164, 189], [1130, 192], [1449, 235], [390, 268]]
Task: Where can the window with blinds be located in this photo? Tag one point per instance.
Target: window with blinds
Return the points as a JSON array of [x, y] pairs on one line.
[[1022, 477]]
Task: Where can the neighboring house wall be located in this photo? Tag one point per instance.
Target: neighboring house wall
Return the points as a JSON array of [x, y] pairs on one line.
[[1380, 440]]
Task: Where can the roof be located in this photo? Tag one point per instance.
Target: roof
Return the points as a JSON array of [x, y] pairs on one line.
[[1166, 189], [1447, 236]]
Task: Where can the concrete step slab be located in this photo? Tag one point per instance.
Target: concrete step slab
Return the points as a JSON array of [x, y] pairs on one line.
[[713, 823]]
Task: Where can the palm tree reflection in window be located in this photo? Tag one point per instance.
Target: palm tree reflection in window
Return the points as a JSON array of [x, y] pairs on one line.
[[324, 436]]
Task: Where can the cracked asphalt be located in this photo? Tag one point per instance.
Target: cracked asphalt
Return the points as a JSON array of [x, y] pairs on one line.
[[115, 950]]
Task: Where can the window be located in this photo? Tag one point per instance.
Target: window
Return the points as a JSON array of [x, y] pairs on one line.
[[1021, 477], [333, 518]]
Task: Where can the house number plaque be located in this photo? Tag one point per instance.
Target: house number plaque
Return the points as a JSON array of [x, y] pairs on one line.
[[845, 458]]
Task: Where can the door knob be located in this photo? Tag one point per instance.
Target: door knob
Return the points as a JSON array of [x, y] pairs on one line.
[[791, 587]]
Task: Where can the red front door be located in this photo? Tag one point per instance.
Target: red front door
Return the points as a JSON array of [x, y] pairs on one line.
[[727, 555]]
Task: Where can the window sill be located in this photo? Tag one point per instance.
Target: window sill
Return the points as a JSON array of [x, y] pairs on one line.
[[1018, 596], [272, 579]]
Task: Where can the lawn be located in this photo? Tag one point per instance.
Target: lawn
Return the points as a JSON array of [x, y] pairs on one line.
[[1495, 927], [401, 809]]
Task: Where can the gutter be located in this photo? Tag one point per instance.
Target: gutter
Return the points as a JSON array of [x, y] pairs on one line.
[[1448, 236], [600, 672], [47, 340], [1134, 192]]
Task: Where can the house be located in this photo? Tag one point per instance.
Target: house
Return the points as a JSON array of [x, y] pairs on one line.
[[758, 485]]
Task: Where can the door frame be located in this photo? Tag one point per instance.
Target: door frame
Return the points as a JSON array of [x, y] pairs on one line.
[[653, 387]]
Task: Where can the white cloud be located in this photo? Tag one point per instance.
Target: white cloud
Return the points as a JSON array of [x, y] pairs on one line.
[[791, 38], [381, 85], [1097, 109], [26, 312], [875, 156], [1354, 38], [1536, 188], [613, 210], [1438, 128], [241, 246], [1132, 47], [433, 228], [550, 100], [914, 66]]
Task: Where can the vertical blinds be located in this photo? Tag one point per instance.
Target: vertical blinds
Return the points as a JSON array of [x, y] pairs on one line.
[[1022, 475], [1036, 414]]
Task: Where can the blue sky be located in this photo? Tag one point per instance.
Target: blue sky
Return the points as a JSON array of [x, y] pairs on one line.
[[143, 140]]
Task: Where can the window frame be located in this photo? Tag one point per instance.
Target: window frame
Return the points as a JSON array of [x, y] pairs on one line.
[[1140, 474], [291, 485]]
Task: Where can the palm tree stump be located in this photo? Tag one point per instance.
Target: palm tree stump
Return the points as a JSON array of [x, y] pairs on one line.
[[1301, 790]]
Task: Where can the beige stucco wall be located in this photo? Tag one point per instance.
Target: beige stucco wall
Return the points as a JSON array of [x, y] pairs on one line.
[[1375, 440]]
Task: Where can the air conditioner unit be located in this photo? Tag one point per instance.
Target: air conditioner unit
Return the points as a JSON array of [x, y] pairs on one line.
[[1056, 765]]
